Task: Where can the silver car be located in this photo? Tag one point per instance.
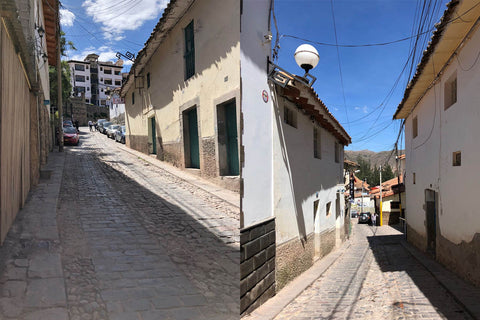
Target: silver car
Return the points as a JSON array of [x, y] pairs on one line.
[[112, 129]]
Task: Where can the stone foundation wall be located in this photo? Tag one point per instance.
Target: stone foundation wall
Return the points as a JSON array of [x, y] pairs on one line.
[[390, 218], [293, 258], [257, 265], [208, 158], [139, 143], [173, 154], [416, 239], [327, 242], [95, 112], [228, 182], [463, 258]]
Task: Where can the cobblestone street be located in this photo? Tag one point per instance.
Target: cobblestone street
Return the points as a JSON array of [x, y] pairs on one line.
[[375, 278], [134, 242]]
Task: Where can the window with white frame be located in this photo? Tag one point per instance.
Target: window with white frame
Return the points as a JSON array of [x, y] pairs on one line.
[[79, 78]]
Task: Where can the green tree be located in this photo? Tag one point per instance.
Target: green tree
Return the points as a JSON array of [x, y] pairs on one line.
[[375, 181], [66, 86], [387, 173]]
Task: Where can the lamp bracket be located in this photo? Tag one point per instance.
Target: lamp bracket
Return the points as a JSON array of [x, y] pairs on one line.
[[128, 55], [281, 76]]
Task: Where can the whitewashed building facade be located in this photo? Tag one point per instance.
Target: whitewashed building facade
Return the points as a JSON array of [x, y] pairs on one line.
[[441, 112], [93, 78]]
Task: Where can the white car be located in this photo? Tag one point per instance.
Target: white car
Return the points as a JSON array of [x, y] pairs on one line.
[[111, 130]]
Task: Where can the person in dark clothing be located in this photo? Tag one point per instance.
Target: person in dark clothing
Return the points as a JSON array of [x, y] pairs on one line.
[[76, 124]]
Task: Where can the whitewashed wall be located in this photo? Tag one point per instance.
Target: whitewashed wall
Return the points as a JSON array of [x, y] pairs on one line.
[[300, 179], [440, 133], [257, 114]]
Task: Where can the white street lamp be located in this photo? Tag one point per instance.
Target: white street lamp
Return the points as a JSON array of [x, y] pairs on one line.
[[306, 57]]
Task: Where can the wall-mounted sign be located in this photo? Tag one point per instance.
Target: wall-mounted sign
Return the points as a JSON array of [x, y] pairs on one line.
[[46, 102], [265, 96]]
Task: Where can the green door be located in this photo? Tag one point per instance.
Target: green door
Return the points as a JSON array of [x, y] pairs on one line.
[[232, 140], [193, 137], [154, 135]]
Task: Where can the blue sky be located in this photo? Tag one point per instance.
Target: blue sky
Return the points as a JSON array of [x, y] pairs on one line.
[[364, 105]]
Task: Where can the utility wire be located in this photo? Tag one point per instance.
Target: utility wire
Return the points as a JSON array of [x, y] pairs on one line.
[[339, 64], [379, 43]]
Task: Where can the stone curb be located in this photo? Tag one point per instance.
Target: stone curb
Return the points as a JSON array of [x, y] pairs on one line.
[[211, 189], [463, 293], [270, 309]]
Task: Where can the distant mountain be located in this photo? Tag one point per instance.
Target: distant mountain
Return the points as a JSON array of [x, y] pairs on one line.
[[375, 158]]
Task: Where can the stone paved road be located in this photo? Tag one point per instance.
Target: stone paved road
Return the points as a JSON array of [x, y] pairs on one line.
[[135, 242], [376, 278]]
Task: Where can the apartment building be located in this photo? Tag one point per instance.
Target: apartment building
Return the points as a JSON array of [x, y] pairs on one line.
[[92, 78]]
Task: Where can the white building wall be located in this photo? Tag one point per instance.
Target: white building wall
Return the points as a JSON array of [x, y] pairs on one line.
[[300, 179], [422, 154], [85, 73], [430, 154], [257, 114]]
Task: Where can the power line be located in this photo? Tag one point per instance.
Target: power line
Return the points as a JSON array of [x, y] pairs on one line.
[[339, 64], [459, 17]]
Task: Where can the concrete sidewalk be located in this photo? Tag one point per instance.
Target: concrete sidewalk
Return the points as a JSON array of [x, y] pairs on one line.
[[464, 293]]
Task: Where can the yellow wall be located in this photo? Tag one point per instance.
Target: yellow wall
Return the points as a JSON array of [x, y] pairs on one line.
[[217, 73]]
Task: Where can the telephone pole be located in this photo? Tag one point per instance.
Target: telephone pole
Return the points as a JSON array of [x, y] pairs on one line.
[[381, 204], [59, 86]]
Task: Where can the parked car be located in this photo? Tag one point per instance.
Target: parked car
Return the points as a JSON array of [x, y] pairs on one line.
[[120, 135], [98, 122], [364, 217], [111, 129], [102, 127], [354, 214], [67, 123], [70, 135]]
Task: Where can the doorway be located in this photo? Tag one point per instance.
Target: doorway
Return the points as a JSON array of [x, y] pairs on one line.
[[190, 138], [431, 218], [153, 135], [316, 224], [227, 139]]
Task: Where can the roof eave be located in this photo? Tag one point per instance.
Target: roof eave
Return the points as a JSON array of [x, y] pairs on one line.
[[170, 17], [446, 40]]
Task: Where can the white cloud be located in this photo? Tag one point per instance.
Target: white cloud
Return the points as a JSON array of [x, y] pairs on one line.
[[124, 15], [66, 18], [105, 53], [364, 109]]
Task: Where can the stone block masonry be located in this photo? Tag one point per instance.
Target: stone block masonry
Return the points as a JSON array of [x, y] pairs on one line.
[[257, 265], [295, 256]]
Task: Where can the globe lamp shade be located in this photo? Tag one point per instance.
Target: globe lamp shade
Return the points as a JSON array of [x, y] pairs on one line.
[[306, 57]]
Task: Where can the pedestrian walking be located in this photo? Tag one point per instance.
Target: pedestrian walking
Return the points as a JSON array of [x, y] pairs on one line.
[[374, 219], [90, 125], [77, 125]]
